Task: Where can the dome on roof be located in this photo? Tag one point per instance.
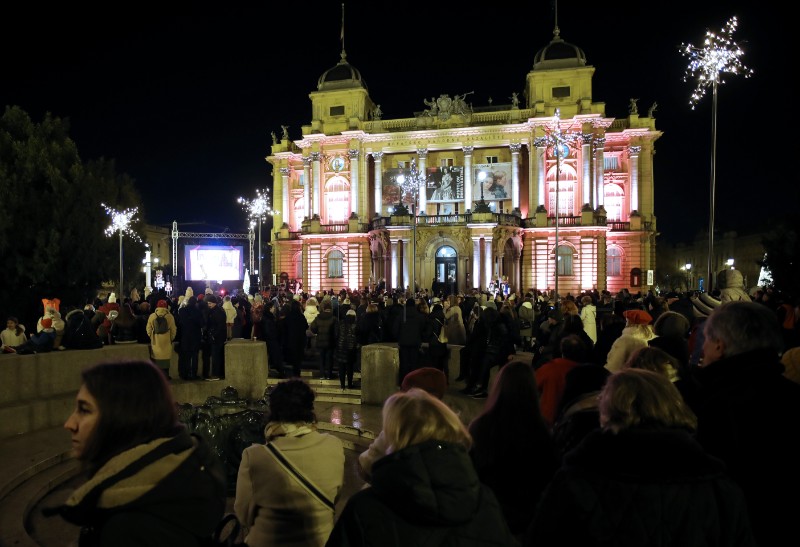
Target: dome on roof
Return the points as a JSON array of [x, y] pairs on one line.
[[559, 54], [342, 76]]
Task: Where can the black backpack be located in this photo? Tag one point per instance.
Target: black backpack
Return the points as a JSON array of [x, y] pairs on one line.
[[161, 326]]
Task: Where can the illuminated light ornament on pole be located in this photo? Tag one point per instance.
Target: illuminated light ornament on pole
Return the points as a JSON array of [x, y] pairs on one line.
[[121, 222], [719, 54], [409, 185], [258, 209]]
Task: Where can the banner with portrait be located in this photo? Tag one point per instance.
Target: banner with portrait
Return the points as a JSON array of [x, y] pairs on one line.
[[495, 178], [444, 184]]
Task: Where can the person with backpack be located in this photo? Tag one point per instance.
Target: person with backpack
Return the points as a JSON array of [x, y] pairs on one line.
[[161, 329]]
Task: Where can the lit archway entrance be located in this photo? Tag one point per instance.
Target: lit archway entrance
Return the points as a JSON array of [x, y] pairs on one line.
[[445, 271]]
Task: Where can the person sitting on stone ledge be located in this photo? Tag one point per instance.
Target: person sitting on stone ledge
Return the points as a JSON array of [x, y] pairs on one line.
[[150, 482], [13, 335]]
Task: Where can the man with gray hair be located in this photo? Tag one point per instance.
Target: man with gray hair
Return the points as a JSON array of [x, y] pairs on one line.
[[749, 414]]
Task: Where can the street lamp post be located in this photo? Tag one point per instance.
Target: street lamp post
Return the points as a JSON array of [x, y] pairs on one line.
[[148, 262], [719, 54], [121, 222], [557, 139], [258, 209]]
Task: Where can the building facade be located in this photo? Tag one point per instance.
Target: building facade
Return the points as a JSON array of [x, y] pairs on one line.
[[546, 192]]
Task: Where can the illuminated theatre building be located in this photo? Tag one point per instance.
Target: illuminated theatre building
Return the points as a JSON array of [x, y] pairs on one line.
[[338, 189]]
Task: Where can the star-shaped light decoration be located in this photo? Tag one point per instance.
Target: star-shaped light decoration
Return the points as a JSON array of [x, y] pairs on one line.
[[719, 54], [121, 221]]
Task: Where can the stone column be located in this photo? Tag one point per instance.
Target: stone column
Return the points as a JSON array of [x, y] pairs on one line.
[[355, 206], [422, 153], [316, 174], [285, 211], [467, 178], [515, 147], [307, 185], [586, 170], [539, 166], [634, 176], [377, 156], [599, 171]]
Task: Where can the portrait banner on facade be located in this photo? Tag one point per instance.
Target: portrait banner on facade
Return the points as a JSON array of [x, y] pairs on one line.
[[392, 192], [444, 184], [494, 178]]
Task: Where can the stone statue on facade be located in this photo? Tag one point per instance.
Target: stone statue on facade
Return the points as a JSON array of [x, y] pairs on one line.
[[377, 113], [274, 138], [652, 109], [633, 108], [514, 100], [285, 134]]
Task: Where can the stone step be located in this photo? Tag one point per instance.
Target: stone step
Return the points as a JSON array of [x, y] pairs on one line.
[[34, 484]]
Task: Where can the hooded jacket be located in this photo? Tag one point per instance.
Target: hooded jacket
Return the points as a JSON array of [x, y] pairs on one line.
[[170, 492], [426, 494]]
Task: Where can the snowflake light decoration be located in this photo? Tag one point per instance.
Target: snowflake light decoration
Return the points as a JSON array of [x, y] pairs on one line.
[[121, 221], [258, 207], [718, 55]]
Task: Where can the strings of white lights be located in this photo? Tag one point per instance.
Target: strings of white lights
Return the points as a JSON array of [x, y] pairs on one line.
[[719, 54], [121, 221]]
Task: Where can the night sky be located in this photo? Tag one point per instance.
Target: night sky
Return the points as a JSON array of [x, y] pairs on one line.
[[185, 104]]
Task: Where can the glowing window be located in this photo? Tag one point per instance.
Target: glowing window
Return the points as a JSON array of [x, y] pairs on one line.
[[564, 260], [613, 261], [337, 200], [299, 212], [614, 196], [335, 263]]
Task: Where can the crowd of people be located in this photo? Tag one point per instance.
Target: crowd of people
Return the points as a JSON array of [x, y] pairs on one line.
[[609, 420]]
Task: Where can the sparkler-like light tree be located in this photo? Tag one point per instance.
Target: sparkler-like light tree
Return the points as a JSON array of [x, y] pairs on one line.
[[718, 55], [258, 209], [558, 141], [409, 186], [121, 222]]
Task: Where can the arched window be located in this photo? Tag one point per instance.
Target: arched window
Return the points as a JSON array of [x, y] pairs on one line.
[[613, 261], [299, 213], [612, 202], [298, 260], [335, 263], [567, 181], [564, 260], [337, 200]]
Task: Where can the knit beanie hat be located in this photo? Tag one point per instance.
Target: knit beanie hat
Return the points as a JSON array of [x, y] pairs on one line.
[[430, 379], [161, 304]]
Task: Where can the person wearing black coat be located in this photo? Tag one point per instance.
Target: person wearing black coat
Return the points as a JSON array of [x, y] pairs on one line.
[[410, 333], [295, 347], [190, 330], [747, 414], [268, 332], [217, 329], [671, 493], [324, 326]]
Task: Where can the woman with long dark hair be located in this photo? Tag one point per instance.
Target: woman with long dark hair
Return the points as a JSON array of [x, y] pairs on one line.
[[512, 450], [149, 481]]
